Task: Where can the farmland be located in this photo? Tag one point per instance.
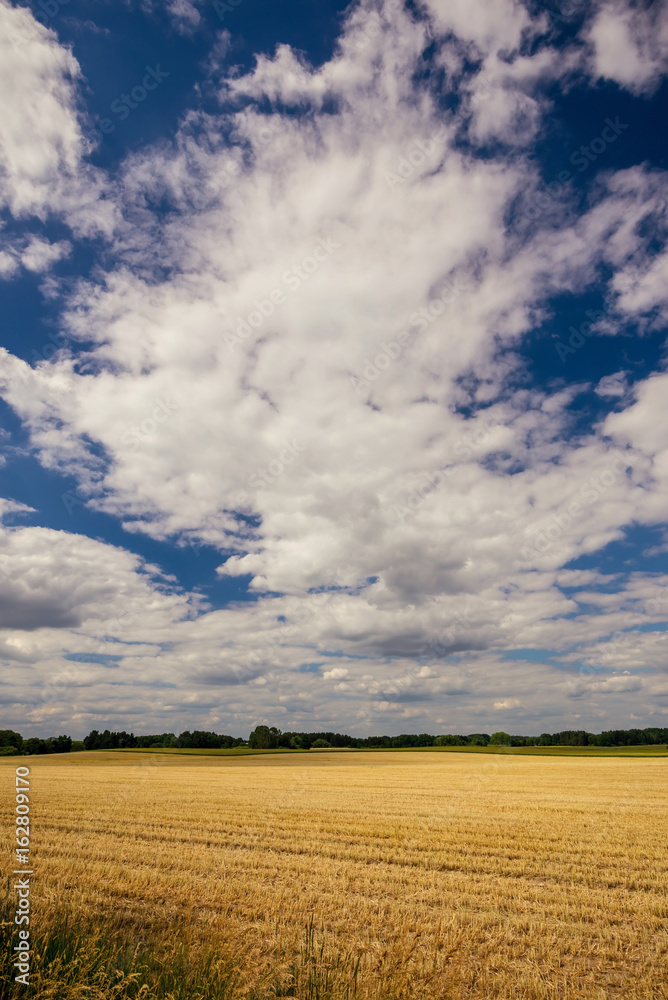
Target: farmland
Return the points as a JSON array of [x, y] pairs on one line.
[[385, 875]]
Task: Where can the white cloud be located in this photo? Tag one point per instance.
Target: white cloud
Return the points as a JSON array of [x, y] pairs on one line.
[[40, 138], [337, 673], [506, 704], [184, 14], [490, 27], [39, 255], [612, 386], [12, 507], [341, 288], [53, 579], [630, 44], [616, 684], [627, 651], [638, 425], [641, 286], [42, 150]]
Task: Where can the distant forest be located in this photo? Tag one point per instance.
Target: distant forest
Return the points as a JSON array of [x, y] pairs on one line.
[[268, 738]]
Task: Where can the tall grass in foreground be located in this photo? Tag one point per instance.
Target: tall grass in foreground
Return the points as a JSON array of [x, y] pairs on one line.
[[71, 962]]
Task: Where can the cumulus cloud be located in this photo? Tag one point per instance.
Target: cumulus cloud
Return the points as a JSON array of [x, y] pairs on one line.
[[490, 28], [630, 43], [637, 425], [43, 173], [616, 684], [312, 363], [506, 703], [41, 140], [39, 255], [52, 579]]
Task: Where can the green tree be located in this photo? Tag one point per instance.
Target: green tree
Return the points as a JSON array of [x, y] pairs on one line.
[[8, 738], [449, 740], [161, 739], [61, 744], [375, 741], [109, 741], [321, 745], [264, 738], [500, 739], [572, 738]]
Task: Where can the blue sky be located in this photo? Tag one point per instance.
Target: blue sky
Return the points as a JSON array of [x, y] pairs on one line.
[[333, 366]]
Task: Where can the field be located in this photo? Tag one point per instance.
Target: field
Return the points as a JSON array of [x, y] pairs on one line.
[[658, 750], [333, 876]]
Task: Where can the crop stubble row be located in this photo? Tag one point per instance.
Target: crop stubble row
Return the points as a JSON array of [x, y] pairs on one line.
[[527, 877]]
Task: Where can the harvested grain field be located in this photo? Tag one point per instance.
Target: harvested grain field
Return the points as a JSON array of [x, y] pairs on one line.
[[438, 875]]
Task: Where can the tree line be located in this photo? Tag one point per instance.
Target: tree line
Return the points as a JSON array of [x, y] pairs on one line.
[[271, 738], [265, 737], [13, 743]]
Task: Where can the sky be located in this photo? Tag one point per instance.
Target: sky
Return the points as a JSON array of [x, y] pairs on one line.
[[333, 373]]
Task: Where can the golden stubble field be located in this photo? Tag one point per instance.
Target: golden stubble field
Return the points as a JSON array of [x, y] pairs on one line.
[[447, 875]]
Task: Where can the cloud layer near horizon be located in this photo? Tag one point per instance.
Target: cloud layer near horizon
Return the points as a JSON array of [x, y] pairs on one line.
[[311, 360]]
